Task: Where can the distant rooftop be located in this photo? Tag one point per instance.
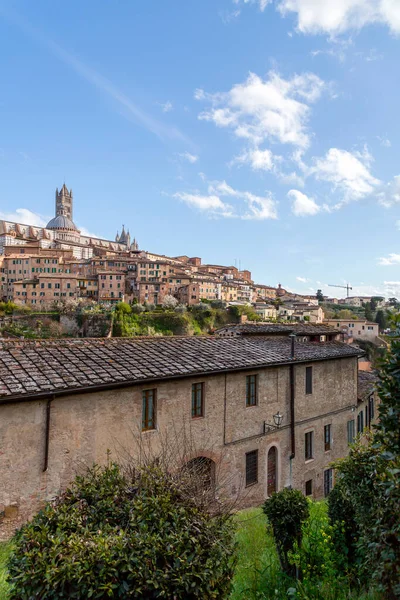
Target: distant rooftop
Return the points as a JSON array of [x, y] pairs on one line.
[[279, 329], [367, 382], [32, 368]]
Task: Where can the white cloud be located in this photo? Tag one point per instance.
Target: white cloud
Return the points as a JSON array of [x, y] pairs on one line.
[[302, 205], [260, 208], [384, 141], [390, 193], [255, 207], [273, 109], [191, 158], [259, 160], [211, 204], [166, 107], [302, 279], [392, 259], [261, 3], [335, 17], [349, 173], [26, 217]]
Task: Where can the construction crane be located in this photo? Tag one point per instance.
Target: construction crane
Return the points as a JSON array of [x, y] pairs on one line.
[[345, 287]]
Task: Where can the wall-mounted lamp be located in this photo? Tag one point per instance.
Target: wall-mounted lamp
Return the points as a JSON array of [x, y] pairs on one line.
[[278, 418]]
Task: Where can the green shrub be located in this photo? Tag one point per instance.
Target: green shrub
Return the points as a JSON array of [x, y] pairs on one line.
[[342, 516], [287, 510], [116, 536]]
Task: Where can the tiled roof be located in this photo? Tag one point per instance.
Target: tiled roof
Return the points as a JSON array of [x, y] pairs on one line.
[[279, 329], [30, 367], [367, 382]]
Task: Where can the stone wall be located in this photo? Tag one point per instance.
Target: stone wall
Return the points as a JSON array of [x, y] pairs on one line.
[[92, 427]]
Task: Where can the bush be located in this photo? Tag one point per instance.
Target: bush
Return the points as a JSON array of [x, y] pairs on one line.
[[286, 511], [345, 531], [117, 536]]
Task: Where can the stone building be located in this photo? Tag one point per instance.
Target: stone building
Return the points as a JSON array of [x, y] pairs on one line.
[[357, 329], [67, 404]]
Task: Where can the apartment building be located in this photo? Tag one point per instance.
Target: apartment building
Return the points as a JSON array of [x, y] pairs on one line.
[[262, 413], [357, 329]]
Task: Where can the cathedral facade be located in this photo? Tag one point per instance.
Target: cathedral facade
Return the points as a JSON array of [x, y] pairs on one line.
[[61, 233]]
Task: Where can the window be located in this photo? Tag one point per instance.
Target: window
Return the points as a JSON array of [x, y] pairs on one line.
[[149, 410], [309, 445], [328, 481], [327, 437], [197, 400], [371, 408], [309, 487], [360, 422], [308, 380], [251, 467], [350, 431], [251, 390]]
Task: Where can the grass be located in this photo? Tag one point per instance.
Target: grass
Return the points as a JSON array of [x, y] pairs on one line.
[[5, 550]]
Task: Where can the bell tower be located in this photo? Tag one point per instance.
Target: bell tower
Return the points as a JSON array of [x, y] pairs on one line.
[[64, 202]]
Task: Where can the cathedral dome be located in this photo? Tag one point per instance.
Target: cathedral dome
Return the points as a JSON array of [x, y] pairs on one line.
[[61, 222]]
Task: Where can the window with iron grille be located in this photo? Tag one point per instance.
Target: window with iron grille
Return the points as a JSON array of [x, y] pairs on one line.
[[308, 380], [309, 487], [327, 437], [350, 431], [328, 481], [198, 400], [251, 467], [309, 445], [148, 410], [251, 390]]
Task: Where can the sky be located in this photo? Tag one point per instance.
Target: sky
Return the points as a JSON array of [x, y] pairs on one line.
[[258, 133]]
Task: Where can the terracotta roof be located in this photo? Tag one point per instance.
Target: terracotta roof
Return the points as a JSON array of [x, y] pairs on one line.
[[29, 368], [279, 329]]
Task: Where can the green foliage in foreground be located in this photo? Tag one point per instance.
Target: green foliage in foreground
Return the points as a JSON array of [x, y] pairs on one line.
[[114, 536], [287, 511], [5, 552], [258, 575]]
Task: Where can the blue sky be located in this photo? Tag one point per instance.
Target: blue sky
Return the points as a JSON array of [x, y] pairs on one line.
[[259, 131]]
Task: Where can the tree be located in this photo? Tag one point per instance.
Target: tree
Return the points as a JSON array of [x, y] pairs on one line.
[[369, 314], [320, 296], [394, 302], [113, 535], [369, 480], [286, 511], [169, 302], [381, 319]]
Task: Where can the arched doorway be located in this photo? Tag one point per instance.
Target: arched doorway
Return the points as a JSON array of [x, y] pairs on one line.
[[272, 471], [201, 471]]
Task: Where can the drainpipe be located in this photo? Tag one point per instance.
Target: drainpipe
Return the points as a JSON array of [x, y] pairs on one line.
[[47, 435], [292, 399]]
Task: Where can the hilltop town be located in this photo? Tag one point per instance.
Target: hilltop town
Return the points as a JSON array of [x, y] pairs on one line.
[[44, 268]]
